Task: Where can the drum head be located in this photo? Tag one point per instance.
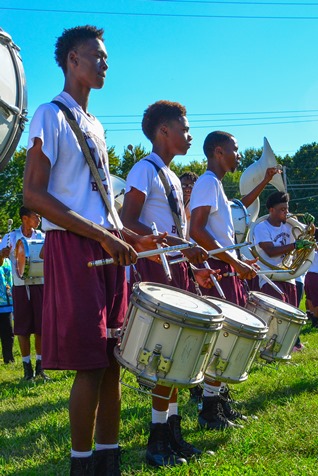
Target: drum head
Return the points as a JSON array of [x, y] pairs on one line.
[[238, 316], [13, 98], [21, 255], [277, 304], [182, 305]]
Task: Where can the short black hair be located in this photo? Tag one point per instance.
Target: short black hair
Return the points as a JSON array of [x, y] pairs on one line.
[[276, 198], [189, 175], [72, 38], [159, 113], [24, 212], [215, 139]]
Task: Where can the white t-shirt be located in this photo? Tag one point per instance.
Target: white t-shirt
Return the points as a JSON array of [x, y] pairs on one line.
[[314, 266], [144, 177], [208, 191], [12, 239], [70, 180], [278, 235]]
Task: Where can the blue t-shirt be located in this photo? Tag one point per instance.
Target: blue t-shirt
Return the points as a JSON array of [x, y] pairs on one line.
[[6, 287]]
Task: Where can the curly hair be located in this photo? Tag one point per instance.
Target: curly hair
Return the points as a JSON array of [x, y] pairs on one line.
[[277, 198], [159, 113], [213, 140], [72, 38], [189, 175]]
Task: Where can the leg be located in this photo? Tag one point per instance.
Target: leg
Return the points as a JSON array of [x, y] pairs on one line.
[[83, 407], [6, 333], [25, 346]]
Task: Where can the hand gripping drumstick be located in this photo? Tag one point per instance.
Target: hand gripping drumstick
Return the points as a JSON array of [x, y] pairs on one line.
[[215, 281], [144, 254], [164, 260], [266, 278]]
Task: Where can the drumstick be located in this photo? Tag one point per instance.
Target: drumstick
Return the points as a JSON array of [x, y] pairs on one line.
[[213, 252], [145, 254], [263, 274], [10, 221], [164, 260], [215, 281], [266, 278]]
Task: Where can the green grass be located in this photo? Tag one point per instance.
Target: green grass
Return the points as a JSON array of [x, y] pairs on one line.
[[35, 439]]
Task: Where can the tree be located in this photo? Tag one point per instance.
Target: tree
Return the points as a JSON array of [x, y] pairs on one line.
[[11, 188], [114, 161], [130, 157], [194, 166]]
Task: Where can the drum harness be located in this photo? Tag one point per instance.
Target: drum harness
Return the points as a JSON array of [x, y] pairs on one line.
[[111, 332]]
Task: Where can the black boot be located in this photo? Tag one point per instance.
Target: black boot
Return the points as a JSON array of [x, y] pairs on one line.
[[178, 444], [106, 462], [196, 394], [39, 372], [159, 451], [82, 466], [28, 371], [228, 411], [212, 417]]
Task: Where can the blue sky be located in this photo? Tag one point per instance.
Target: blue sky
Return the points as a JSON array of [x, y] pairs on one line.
[[253, 77]]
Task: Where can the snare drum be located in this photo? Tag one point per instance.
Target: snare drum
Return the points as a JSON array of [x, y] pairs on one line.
[[237, 343], [119, 187], [284, 324], [168, 335], [240, 219], [28, 263], [13, 98]]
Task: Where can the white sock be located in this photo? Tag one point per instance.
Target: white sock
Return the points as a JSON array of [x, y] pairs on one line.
[[210, 390], [38, 357], [81, 454], [26, 359], [159, 417], [223, 387], [100, 447], [173, 409]]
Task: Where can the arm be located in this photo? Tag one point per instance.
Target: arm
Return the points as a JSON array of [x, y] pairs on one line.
[[248, 199], [37, 198], [198, 231], [273, 251]]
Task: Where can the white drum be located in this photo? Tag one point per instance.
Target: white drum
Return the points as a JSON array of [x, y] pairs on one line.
[[240, 219], [28, 262], [237, 343], [13, 98], [167, 336], [119, 187], [284, 324]]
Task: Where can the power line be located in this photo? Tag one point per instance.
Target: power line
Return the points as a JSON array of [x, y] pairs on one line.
[[164, 15]]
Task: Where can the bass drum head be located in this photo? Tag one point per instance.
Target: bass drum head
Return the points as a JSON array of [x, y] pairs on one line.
[[240, 219], [13, 98]]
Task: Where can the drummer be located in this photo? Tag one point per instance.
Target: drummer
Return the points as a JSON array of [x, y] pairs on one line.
[[212, 227], [165, 124], [27, 295]]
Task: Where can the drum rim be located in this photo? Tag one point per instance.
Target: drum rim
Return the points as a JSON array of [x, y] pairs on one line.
[[243, 327], [194, 317], [18, 119], [296, 311]]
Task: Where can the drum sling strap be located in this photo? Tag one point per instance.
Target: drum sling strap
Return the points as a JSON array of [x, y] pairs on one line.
[[175, 216], [93, 167], [90, 160]]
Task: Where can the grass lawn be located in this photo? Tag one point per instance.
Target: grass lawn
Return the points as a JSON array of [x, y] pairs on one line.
[[35, 439]]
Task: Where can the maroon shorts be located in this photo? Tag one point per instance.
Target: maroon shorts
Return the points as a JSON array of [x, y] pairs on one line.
[[233, 287], [289, 290], [27, 309], [154, 272], [80, 303], [311, 287]]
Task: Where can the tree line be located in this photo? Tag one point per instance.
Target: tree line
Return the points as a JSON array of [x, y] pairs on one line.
[[301, 171]]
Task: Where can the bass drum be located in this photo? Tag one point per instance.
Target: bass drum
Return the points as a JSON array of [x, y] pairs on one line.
[[240, 219], [280, 273], [13, 98]]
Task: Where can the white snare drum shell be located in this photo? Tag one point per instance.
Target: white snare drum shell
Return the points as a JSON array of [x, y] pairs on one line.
[[284, 324], [237, 343], [186, 336]]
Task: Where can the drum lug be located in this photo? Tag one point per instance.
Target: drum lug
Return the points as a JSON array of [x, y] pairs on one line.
[[217, 363], [148, 377]]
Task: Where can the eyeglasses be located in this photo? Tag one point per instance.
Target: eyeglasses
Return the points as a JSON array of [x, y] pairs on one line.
[[187, 185]]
